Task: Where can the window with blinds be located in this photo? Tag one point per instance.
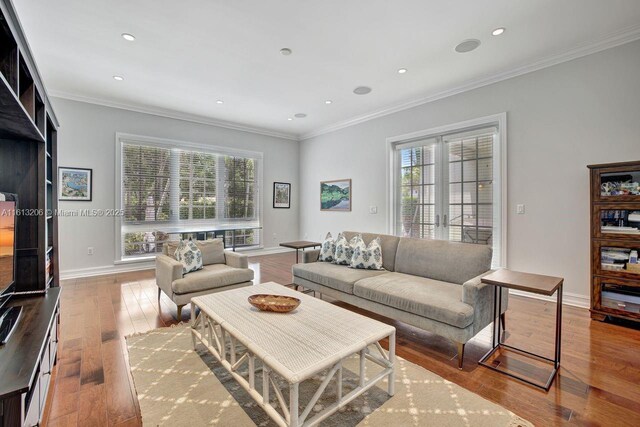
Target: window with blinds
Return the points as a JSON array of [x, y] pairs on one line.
[[166, 185], [448, 186]]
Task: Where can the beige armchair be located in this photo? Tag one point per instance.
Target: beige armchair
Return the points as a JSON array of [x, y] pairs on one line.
[[222, 270]]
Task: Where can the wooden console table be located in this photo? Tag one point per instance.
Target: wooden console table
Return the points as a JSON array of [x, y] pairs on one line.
[[526, 282]]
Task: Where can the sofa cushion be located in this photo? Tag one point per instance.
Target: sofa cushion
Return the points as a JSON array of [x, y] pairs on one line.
[[212, 251], [441, 260], [338, 277], [436, 300], [388, 243], [211, 277]]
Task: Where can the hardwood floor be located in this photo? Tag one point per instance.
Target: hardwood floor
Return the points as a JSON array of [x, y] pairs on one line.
[[598, 383]]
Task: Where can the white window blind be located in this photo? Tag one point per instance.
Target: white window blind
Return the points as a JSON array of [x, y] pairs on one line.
[[167, 184]]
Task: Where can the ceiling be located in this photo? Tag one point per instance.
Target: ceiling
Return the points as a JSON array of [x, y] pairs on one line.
[[188, 54]]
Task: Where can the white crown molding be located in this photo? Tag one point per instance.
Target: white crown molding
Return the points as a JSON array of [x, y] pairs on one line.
[[612, 40], [172, 114]]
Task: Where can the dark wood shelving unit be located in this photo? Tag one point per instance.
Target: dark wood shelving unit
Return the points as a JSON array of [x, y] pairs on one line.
[[621, 278], [28, 164]]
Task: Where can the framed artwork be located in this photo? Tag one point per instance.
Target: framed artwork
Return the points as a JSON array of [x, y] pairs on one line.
[[75, 184], [281, 195], [335, 195]]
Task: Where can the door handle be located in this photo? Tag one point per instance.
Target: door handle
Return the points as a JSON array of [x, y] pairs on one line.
[[444, 223], [437, 220]]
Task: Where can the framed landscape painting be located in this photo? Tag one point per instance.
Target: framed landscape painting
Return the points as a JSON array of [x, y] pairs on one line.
[[281, 195], [335, 195], [75, 184]]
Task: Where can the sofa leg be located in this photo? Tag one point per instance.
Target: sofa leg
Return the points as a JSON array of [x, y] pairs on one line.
[[503, 321], [180, 312], [159, 294], [460, 354]]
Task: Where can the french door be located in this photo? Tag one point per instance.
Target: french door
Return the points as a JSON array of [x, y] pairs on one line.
[[445, 187]]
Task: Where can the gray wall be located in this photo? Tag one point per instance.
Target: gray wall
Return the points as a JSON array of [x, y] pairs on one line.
[[87, 140], [559, 120]]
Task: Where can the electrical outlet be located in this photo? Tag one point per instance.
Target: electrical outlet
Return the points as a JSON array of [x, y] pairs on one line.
[[90, 250], [373, 210], [520, 209]]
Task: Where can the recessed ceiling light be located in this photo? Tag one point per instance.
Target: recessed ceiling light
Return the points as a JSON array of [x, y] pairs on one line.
[[128, 37], [219, 101], [118, 78], [285, 51], [328, 101], [362, 90], [468, 46], [290, 118], [498, 31], [300, 115], [402, 70]]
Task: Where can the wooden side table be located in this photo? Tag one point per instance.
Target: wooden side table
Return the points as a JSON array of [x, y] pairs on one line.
[[527, 282], [300, 245]]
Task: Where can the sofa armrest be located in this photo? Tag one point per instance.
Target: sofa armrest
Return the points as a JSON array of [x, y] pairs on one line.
[[310, 256], [236, 260], [480, 296], [473, 290], [167, 270]]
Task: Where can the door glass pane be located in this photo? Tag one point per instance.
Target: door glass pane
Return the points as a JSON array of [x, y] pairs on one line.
[[485, 169], [455, 172], [455, 233], [485, 146], [469, 170], [455, 193], [429, 174], [485, 192], [469, 192], [429, 194], [455, 214]]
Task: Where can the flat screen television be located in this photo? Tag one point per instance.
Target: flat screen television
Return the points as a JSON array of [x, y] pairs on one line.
[[8, 316]]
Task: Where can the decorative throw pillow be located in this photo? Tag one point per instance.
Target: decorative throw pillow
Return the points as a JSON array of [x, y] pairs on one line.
[[344, 250], [367, 257], [328, 249], [189, 255]]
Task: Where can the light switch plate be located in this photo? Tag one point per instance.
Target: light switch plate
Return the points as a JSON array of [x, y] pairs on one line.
[[373, 210], [520, 209]]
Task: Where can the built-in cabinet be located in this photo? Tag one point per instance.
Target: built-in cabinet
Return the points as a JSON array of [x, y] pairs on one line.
[[28, 164], [615, 240]]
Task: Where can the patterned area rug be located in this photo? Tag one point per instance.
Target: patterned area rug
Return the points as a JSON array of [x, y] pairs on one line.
[[179, 386]]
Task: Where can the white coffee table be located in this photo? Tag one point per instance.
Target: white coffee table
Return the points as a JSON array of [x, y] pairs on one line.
[[295, 346]]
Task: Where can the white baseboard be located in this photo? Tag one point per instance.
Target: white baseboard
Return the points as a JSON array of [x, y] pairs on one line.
[[106, 269], [147, 265], [568, 298]]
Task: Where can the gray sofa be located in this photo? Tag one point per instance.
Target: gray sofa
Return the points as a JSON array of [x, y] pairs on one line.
[[431, 284]]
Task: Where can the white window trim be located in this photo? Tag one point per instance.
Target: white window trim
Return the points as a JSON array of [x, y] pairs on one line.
[[500, 161], [171, 143]]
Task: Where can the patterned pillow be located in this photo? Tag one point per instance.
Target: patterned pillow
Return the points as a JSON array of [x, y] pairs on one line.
[[367, 257], [328, 250], [189, 255], [344, 250]]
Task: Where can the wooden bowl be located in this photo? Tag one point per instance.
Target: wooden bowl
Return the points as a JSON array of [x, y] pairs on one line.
[[275, 303]]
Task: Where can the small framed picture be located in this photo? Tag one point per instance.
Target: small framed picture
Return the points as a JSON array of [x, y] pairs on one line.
[[281, 195], [335, 195], [75, 184]]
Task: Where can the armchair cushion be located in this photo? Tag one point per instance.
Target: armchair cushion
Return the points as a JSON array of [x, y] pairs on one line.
[[212, 251], [211, 276]]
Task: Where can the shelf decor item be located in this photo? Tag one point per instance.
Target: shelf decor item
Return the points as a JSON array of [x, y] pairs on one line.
[[615, 240], [275, 303], [335, 195], [76, 184], [281, 195]]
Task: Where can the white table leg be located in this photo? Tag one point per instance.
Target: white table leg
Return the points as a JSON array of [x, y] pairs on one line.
[[339, 382], [392, 359], [293, 404], [193, 323], [362, 366]]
